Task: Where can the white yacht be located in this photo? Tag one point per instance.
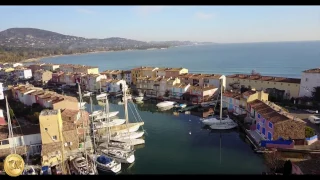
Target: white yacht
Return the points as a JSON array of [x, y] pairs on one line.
[[127, 135], [130, 127], [119, 155], [102, 115], [107, 164], [101, 96], [105, 124], [119, 145], [80, 166], [165, 104]]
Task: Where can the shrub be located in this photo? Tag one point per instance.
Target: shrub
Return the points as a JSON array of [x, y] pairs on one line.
[[310, 132]]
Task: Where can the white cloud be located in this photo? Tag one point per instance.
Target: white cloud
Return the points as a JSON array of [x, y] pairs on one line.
[[202, 15], [85, 11], [147, 10]]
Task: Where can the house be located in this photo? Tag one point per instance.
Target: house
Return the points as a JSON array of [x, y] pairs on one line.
[[237, 103], [105, 84], [113, 74], [161, 72], [56, 76], [116, 86], [23, 73], [142, 83], [42, 75], [68, 79], [153, 84], [127, 77], [85, 69], [287, 87], [203, 79], [75, 120], [142, 72], [50, 67], [179, 89], [57, 141], [29, 95], [26, 139], [35, 67], [66, 68], [163, 86], [272, 124], [175, 72], [198, 94], [92, 82], [309, 80], [169, 85]]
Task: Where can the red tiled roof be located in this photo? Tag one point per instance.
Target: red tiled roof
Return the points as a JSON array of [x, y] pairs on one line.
[[266, 78]]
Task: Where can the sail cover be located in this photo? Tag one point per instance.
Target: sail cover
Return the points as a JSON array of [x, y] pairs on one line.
[[103, 160]]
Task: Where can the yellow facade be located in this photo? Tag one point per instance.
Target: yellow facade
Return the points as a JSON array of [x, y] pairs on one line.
[[50, 126], [292, 88], [142, 72]]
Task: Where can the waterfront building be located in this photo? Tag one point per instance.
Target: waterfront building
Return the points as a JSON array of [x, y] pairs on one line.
[[272, 125], [71, 68], [44, 76], [9, 72], [26, 140], [309, 80], [153, 87], [237, 103], [23, 73], [179, 89], [142, 72], [115, 86], [203, 79], [113, 74], [198, 94], [67, 78], [75, 120], [56, 76], [175, 72], [127, 77], [50, 67], [36, 66], [275, 86], [29, 95], [57, 140], [91, 82]]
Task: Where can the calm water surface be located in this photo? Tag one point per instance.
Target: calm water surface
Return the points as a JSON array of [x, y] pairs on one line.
[[171, 149], [278, 59]]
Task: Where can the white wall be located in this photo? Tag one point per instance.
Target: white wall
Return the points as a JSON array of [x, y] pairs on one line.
[[308, 82], [27, 73]]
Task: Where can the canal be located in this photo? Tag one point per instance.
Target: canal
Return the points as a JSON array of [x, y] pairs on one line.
[[180, 144]]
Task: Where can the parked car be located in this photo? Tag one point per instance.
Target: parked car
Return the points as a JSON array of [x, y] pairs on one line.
[[314, 119]]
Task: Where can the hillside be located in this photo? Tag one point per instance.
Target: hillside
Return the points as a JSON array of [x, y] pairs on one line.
[[17, 44]]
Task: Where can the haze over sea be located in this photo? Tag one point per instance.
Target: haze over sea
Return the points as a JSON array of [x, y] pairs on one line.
[[277, 59]]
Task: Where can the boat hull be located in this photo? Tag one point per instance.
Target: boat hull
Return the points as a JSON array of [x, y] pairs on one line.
[[133, 142], [127, 160], [130, 135], [105, 115], [114, 122], [113, 166], [131, 127], [224, 125]]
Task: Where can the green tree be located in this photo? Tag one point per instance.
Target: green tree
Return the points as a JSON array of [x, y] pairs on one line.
[[310, 132]]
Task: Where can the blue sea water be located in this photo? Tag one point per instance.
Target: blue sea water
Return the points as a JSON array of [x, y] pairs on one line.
[[287, 59]]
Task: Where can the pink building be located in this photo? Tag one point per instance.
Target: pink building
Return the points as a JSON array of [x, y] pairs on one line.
[[199, 94], [56, 77]]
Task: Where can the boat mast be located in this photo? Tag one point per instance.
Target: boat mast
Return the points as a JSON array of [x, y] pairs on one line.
[[13, 150], [83, 126], [125, 105], [108, 121], [220, 100], [91, 118]]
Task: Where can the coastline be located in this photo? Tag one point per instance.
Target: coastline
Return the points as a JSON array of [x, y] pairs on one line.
[[40, 58]]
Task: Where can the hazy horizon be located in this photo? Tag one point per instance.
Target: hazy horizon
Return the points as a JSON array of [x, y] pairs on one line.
[[218, 24]]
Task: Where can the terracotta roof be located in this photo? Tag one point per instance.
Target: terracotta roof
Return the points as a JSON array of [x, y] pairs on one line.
[[144, 68], [174, 69], [199, 88], [200, 76], [180, 85], [315, 70], [266, 78], [267, 112], [69, 114], [249, 93], [232, 95]]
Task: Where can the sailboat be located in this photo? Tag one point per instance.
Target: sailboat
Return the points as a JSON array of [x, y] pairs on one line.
[[81, 164], [220, 122], [120, 155], [226, 123]]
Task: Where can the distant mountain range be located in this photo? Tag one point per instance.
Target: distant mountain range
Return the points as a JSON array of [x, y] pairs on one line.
[[37, 38]]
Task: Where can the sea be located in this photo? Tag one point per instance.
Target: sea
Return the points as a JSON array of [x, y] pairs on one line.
[[180, 144]]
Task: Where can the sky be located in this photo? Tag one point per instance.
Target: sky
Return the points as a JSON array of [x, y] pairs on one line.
[[220, 24]]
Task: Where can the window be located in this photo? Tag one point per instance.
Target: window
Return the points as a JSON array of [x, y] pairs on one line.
[[54, 137], [306, 79], [269, 136], [46, 129], [259, 116], [4, 142], [263, 121], [270, 125]]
